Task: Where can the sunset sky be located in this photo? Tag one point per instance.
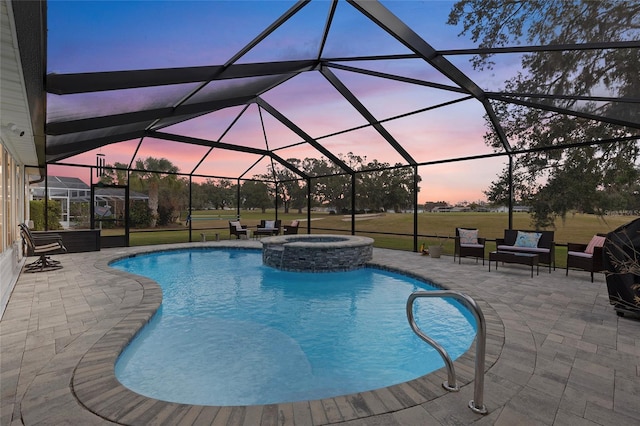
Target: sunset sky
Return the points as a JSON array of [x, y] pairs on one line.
[[89, 36]]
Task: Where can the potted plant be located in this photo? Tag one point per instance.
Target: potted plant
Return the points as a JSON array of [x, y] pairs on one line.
[[436, 250]]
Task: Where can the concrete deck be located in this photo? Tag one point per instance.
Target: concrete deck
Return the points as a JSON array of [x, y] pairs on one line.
[[557, 353]]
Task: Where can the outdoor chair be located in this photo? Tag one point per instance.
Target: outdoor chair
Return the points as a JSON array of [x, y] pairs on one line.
[[269, 227], [237, 229], [587, 257], [42, 247], [468, 244], [291, 229]]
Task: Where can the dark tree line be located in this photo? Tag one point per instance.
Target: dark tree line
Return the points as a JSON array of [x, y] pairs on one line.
[[379, 187]]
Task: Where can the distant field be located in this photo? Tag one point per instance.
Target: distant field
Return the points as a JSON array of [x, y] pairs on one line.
[[576, 228]]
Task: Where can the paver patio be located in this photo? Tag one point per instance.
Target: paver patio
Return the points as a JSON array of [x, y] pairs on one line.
[[557, 354]]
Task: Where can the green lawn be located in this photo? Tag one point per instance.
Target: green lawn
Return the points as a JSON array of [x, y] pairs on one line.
[[575, 228]]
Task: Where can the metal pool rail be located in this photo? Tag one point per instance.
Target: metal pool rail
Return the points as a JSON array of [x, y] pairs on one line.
[[476, 404]]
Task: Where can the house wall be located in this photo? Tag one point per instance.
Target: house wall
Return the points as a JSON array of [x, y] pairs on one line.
[[10, 265], [17, 142]]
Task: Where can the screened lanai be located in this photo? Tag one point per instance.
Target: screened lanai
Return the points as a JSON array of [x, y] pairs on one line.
[[271, 91]]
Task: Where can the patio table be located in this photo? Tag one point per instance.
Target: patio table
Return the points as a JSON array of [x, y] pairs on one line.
[[529, 259]]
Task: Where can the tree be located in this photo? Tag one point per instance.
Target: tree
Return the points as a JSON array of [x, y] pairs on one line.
[[383, 187], [212, 193], [291, 191], [378, 185], [558, 180], [151, 170], [330, 188], [255, 194], [222, 194], [174, 197], [398, 188], [369, 194], [115, 175]]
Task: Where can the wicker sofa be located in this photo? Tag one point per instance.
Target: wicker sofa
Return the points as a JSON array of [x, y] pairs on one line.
[[522, 241]]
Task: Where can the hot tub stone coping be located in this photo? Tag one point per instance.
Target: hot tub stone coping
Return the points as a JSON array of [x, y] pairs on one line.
[[311, 240]]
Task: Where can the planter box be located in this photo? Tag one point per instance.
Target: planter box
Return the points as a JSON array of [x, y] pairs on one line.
[[435, 251]]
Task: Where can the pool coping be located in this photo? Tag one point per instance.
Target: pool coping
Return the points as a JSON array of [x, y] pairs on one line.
[[311, 240], [95, 386]]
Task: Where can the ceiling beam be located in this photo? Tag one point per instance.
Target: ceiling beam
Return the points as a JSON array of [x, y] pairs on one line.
[[362, 110], [205, 142], [567, 111], [632, 44], [86, 124], [623, 99], [226, 146], [66, 84], [396, 77], [386, 20], [60, 150], [284, 120]]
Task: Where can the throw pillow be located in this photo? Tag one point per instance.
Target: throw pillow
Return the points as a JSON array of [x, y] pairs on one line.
[[468, 236], [235, 224], [527, 239], [596, 241], [294, 223], [270, 224]]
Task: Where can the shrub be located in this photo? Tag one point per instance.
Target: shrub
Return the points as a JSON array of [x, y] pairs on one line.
[[165, 215], [139, 215], [36, 213]]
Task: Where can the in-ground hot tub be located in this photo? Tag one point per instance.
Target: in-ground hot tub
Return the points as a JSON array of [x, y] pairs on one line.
[[316, 253]]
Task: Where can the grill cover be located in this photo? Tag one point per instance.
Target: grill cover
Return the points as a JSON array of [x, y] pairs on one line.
[[622, 266]]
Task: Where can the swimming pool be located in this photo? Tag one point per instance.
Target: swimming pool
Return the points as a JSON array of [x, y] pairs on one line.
[[240, 333]]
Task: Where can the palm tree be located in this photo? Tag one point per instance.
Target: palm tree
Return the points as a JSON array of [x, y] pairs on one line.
[[115, 175], [151, 170]]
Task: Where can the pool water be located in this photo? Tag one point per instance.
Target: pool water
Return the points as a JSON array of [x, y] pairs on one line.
[[231, 331]]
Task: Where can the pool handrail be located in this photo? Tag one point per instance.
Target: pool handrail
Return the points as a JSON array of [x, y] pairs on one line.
[[476, 404]]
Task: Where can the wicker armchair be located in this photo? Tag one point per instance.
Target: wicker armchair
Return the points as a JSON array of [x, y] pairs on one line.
[[468, 244], [588, 257], [235, 228], [291, 229]]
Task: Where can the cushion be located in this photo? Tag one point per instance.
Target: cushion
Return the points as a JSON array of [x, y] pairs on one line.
[[294, 223], [527, 239], [596, 241], [269, 223], [523, 249], [471, 245], [580, 254], [237, 225], [468, 236]]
